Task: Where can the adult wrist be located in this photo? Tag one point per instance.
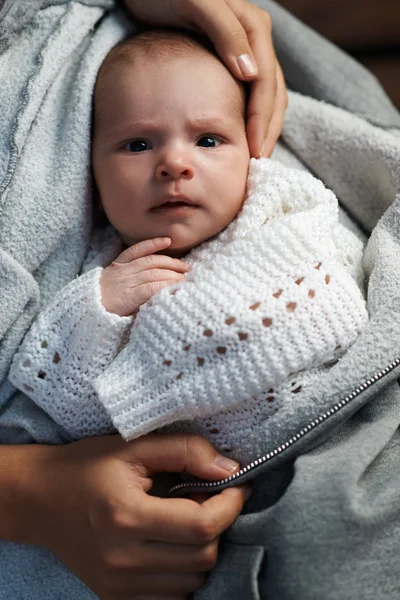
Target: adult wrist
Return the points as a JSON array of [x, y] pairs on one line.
[[23, 486]]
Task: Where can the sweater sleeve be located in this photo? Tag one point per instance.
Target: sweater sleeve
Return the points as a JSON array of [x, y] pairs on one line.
[[70, 344]]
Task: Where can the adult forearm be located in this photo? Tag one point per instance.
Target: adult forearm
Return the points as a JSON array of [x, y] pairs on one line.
[[20, 486]]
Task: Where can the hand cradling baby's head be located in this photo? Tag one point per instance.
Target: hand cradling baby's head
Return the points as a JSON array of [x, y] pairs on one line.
[[170, 154]]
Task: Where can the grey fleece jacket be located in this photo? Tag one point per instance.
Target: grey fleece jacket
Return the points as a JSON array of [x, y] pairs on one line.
[[324, 519]]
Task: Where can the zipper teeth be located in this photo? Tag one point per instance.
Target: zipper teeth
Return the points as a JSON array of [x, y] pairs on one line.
[[317, 421]]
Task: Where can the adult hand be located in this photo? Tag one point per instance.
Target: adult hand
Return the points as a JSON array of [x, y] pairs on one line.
[[242, 36], [92, 509]]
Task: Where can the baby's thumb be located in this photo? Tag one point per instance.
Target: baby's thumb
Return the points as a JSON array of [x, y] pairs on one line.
[[180, 452]]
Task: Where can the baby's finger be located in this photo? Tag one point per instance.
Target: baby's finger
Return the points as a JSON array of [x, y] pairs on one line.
[[158, 261], [143, 249], [155, 275], [145, 291]]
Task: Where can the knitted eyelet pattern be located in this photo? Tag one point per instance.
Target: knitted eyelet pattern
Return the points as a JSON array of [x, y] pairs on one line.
[[270, 297]]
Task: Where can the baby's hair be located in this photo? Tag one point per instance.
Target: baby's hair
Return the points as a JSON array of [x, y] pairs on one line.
[[162, 43], [159, 42]]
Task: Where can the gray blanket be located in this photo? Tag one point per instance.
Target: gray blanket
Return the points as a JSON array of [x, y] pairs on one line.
[[324, 521]]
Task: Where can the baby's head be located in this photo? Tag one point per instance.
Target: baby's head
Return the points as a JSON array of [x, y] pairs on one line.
[[170, 154]]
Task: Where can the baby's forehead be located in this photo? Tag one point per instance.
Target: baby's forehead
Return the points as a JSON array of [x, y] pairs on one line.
[[164, 47], [134, 57]]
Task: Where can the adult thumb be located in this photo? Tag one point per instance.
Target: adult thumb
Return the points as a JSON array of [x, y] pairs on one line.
[[177, 453]]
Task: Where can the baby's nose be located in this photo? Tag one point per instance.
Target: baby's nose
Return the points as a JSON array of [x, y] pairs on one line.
[[174, 168]]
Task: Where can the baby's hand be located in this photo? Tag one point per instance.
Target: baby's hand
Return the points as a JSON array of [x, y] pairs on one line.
[[137, 274]]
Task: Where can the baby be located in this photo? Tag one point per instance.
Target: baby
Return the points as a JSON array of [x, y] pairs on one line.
[[214, 288]]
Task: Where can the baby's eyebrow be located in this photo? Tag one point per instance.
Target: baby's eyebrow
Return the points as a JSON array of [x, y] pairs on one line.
[[210, 122], [152, 126], [122, 128]]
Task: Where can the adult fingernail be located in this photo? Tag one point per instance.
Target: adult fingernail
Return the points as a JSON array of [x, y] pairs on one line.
[[226, 463], [246, 65]]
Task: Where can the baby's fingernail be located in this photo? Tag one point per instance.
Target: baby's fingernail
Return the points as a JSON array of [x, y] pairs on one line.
[[246, 65], [226, 463]]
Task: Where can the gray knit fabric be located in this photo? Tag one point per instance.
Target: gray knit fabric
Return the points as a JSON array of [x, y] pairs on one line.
[[324, 519]]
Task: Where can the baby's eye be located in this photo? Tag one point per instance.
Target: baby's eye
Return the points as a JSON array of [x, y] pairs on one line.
[[137, 146], [209, 141]]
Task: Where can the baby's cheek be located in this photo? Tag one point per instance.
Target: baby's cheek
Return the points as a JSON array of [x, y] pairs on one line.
[[233, 194], [125, 177]]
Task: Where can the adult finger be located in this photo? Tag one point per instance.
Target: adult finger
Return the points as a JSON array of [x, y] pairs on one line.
[[177, 453], [217, 19], [174, 558], [143, 249], [181, 521], [276, 123], [262, 101]]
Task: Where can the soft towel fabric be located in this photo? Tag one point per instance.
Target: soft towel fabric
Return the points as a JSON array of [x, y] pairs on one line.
[[324, 518], [45, 183], [273, 295]]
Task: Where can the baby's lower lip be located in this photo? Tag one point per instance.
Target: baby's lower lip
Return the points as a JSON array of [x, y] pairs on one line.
[[173, 208]]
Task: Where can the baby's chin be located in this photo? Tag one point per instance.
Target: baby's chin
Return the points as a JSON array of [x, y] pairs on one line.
[[184, 239], [181, 245], [176, 250], [182, 242]]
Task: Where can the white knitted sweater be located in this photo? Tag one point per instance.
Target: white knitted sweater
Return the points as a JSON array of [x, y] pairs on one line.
[[274, 295]]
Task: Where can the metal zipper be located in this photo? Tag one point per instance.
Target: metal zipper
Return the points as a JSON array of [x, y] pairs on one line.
[[206, 485]]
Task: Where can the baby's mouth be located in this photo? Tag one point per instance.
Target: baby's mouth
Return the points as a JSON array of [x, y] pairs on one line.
[[176, 203], [174, 207]]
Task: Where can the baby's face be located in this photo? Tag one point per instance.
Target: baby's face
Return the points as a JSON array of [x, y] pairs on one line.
[[170, 154]]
